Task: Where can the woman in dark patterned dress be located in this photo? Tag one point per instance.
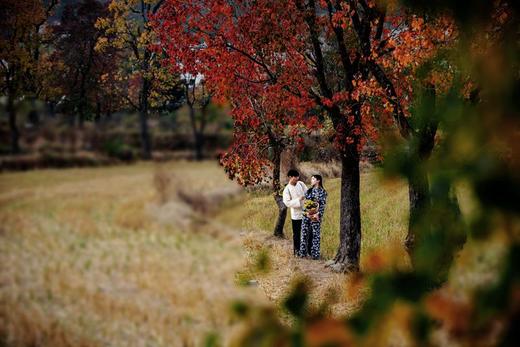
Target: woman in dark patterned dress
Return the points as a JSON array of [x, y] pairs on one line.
[[311, 224]]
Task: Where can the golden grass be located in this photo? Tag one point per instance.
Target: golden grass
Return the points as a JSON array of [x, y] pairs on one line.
[[384, 209], [83, 263], [116, 256], [384, 214]]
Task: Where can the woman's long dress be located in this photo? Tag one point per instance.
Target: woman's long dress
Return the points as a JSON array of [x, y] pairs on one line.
[[311, 229]]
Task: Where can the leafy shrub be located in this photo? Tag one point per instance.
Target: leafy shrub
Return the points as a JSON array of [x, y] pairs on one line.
[[116, 148]]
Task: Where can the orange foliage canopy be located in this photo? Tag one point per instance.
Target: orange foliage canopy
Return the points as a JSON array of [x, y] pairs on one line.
[[283, 64]]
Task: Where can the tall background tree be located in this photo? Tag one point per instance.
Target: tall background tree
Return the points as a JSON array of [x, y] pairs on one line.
[[128, 28], [23, 33], [83, 66], [197, 98]]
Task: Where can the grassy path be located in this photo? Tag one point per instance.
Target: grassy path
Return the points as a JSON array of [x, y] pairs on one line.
[[384, 211]]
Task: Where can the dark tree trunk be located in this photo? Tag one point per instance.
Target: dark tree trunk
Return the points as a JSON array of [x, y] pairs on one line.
[[146, 147], [81, 117], [34, 116], [83, 86], [201, 140], [419, 197], [198, 130], [421, 143], [347, 257], [145, 136], [199, 146], [71, 117], [282, 216], [97, 118], [433, 212], [82, 101], [197, 136], [282, 209], [15, 134], [51, 106]]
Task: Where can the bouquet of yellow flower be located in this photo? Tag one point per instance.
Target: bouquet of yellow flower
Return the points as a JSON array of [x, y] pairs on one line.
[[311, 208]]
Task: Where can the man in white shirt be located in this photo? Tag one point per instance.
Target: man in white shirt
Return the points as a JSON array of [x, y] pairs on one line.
[[293, 197]]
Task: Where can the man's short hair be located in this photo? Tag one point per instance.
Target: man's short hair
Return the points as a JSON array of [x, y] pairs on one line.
[[293, 173]]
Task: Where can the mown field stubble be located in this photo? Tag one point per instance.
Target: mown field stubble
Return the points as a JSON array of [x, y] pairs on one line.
[[85, 262], [153, 255]]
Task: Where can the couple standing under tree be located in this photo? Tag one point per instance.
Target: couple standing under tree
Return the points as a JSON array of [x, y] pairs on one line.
[[307, 208]]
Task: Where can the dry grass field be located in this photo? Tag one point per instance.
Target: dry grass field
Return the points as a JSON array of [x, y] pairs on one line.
[[384, 208], [87, 260], [153, 255]]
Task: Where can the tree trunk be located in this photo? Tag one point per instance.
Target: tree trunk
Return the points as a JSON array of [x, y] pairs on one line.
[[71, 116], [282, 209], [15, 134], [81, 117], [145, 136], [143, 121], [282, 216], [97, 118], [51, 106], [419, 196], [421, 143], [201, 140], [197, 136], [33, 115], [347, 257], [82, 101], [199, 146]]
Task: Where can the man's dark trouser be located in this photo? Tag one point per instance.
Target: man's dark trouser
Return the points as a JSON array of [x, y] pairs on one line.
[[296, 232]]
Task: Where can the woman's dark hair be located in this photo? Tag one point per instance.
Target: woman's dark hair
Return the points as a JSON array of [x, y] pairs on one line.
[[293, 173], [319, 178]]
